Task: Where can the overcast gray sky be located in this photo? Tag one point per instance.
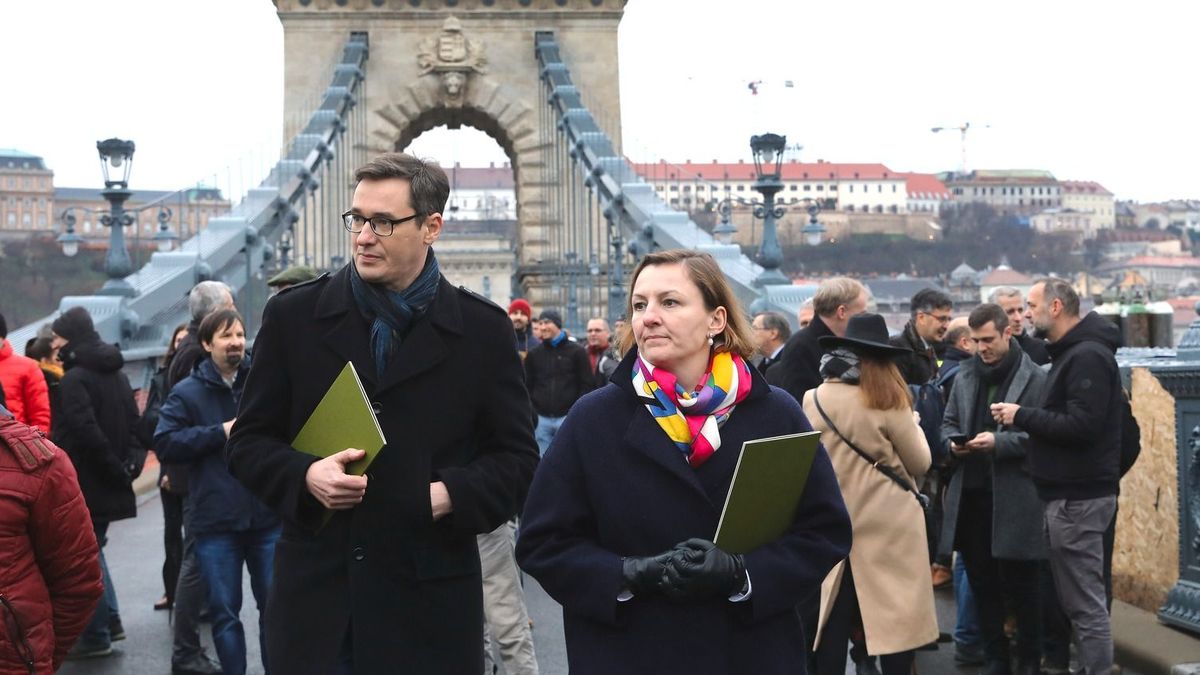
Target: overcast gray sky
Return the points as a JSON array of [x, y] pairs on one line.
[[1089, 91]]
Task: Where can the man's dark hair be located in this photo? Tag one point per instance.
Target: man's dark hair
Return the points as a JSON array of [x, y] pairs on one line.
[[38, 349], [428, 184], [777, 322], [928, 299], [987, 313], [3, 327], [215, 323], [1058, 289]]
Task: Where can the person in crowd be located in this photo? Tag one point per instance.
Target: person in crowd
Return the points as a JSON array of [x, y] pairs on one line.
[[601, 354], [557, 373], [296, 274], [25, 390], [392, 578], [41, 349], [49, 561], [172, 503], [520, 313], [629, 496], [98, 430], [188, 656], [993, 516], [1075, 456], [959, 348], [806, 313], [232, 528], [1013, 303], [863, 411], [927, 325], [835, 301], [771, 333]]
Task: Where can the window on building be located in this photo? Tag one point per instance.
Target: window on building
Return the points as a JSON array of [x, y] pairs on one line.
[[879, 208], [852, 188], [820, 188], [674, 201], [880, 187], [808, 188], [792, 187], [12, 218], [893, 187], [41, 220], [741, 188], [26, 220], [894, 209], [850, 208], [687, 188]]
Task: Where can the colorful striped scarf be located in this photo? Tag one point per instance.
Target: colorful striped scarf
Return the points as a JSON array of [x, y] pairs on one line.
[[693, 420]]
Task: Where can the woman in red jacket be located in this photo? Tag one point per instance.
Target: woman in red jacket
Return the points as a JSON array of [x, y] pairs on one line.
[[49, 560]]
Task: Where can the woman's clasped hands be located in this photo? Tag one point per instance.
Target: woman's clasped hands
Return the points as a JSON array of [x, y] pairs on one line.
[[693, 569]]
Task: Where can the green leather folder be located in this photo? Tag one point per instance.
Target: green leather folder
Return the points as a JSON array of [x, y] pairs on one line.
[[767, 485], [343, 419]]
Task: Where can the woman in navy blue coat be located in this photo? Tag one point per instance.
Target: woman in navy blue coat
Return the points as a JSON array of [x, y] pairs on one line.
[[619, 520]]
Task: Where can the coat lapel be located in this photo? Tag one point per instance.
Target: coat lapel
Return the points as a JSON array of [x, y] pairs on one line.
[[343, 329], [425, 346], [645, 436], [1020, 378]]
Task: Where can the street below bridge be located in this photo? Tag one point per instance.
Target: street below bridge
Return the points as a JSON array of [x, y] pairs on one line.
[[135, 555]]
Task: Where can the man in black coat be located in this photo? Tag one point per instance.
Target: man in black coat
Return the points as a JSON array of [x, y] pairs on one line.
[[771, 333], [97, 429], [392, 579], [927, 326], [557, 372], [835, 301], [1013, 304], [1075, 456]]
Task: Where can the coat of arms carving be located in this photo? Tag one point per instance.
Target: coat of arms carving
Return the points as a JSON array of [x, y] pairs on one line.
[[453, 57]]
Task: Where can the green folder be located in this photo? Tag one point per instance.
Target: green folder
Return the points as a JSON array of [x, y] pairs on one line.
[[767, 485], [343, 419]]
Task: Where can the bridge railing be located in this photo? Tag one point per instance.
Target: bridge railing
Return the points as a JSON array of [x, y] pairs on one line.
[[637, 220], [298, 202]]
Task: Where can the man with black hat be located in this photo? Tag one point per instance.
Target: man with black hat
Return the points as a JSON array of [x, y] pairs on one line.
[[296, 274], [97, 430], [557, 373]]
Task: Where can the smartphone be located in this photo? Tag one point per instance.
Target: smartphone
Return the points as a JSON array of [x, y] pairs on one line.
[[960, 439]]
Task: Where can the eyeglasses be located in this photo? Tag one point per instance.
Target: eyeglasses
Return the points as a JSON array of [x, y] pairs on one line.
[[945, 318], [382, 227]]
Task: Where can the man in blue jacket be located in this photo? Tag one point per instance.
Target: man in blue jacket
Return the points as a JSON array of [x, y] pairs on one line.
[[232, 527]]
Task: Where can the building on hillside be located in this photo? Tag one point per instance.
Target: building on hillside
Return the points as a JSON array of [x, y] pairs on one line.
[[481, 255], [1065, 221], [926, 193], [1090, 197], [1003, 275], [1119, 244], [1160, 272], [1125, 215], [963, 283], [481, 193], [26, 192], [1015, 192]]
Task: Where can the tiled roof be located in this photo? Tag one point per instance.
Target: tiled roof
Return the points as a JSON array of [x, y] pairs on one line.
[[1179, 261], [15, 159], [925, 186], [1005, 176], [1005, 276], [1083, 187], [792, 171]]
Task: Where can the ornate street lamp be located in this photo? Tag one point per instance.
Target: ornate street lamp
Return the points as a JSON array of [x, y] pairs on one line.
[[116, 160], [724, 230], [768, 163], [814, 231]]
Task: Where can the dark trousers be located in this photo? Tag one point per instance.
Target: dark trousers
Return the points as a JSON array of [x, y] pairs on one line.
[[997, 580], [172, 506], [1056, 625], [844, 620]]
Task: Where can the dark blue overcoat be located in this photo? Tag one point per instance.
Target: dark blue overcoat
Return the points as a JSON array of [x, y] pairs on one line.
[[612, 485]]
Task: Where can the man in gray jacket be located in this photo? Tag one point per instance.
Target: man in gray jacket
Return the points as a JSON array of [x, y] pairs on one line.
[[993, 516]]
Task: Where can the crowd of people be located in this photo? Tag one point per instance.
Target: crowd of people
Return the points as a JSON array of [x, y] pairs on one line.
[[986, 448]]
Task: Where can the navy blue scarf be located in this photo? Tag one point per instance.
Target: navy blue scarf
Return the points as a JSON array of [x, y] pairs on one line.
[[392, 314]]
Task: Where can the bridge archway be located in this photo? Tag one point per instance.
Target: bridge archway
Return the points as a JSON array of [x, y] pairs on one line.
[[464, 62]]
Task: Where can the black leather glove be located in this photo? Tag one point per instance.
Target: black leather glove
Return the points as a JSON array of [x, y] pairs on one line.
[[698, 569], [644, 575]]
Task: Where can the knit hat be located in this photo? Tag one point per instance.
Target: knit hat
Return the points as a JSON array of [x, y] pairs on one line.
[[520, 305], [552, 316], [74, 324]]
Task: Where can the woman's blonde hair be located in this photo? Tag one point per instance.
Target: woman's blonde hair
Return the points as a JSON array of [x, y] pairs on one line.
[[880, 383], [703, 271]]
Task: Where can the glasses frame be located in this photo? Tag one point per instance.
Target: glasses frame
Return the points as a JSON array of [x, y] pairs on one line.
[[348, 217]]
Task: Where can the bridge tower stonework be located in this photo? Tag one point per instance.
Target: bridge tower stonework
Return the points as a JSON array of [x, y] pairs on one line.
[[463, 62]]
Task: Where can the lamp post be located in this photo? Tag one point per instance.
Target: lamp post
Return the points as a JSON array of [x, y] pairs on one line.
[[116, 159], [814, 231], [724, 230], [768, 161]]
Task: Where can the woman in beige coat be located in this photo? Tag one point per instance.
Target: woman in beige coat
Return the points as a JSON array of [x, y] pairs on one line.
[[884, 588]]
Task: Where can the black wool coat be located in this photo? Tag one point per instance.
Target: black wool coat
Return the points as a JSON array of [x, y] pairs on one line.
[[453, 408], [98, 426], [798, 368], [612, 484]]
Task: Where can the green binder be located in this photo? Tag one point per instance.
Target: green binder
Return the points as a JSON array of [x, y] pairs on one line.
[[767, 485], [343, 419]]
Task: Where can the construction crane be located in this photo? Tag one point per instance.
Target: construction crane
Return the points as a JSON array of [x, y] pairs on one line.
[[962, 130]]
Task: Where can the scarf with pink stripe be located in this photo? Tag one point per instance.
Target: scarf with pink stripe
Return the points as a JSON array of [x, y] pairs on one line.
[[692, 420]]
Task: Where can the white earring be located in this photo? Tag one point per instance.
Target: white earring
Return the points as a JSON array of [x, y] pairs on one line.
[[710, 339]]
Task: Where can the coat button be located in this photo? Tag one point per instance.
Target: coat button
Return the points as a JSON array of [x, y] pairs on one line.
[[359, 553], [377, 407]]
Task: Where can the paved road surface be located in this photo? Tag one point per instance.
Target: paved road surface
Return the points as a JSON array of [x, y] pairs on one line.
[[135, 559]]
